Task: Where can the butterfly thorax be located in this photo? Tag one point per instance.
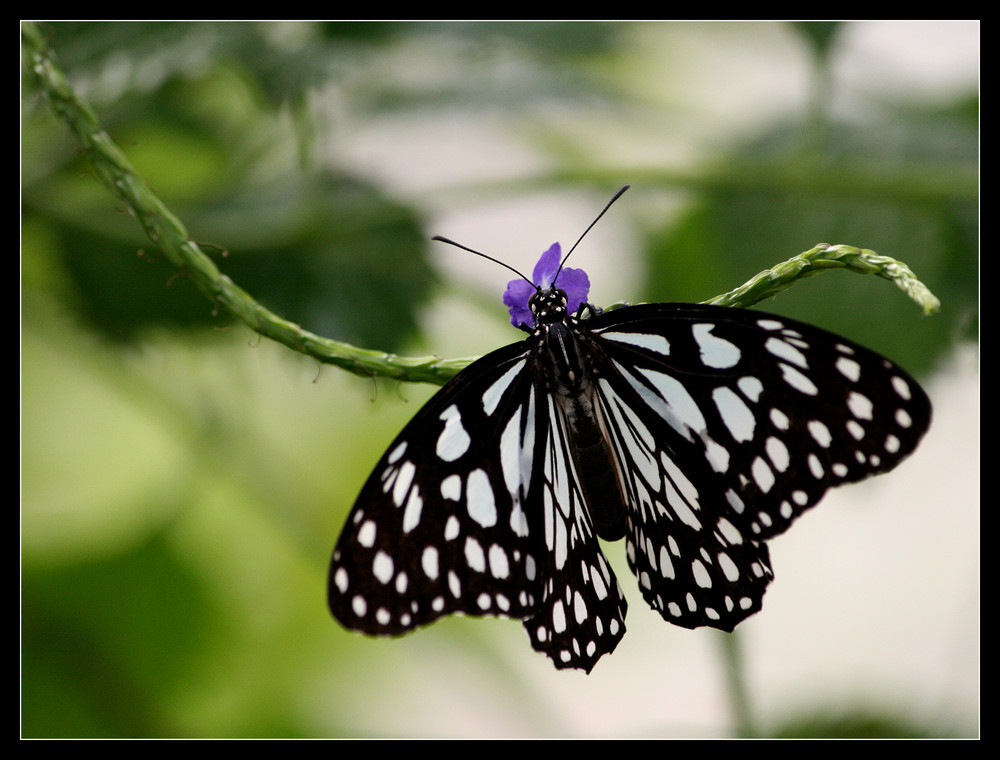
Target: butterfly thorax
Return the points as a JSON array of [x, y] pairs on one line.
[[566, 366], [569, 377]]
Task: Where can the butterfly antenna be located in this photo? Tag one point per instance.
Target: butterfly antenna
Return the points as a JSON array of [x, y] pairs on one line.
[[614, 197], [470, 250]]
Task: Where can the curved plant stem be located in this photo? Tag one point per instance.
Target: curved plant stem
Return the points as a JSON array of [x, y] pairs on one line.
[[821, 258], [170, 236]]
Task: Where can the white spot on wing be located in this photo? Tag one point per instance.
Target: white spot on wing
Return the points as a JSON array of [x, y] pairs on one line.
[[499, 564], [751, 387], [558, 617], [366, 534], [670, 400], [729, 568], [681, 493], [715, 352], [901, 387], [656, 343], [340, 579], [717, 455], [474, 555], [359, 605], [784, 350], [762, 474], [510, 454], [402, 485], [453, 441], [860, 406], [396, 453], [849, 368], [495, 392], [777, 452], [737, 416], [382, 567], [451, 488], [666, 566], [797, 380], [701, 575], [429, 562], [820, 433], [414, 507], [479, 499], [779, 419]]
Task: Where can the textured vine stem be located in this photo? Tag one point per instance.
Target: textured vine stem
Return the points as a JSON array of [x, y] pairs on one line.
[[170, 236], [172, 239], [823, 257]]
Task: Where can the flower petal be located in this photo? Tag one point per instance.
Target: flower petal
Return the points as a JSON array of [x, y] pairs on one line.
[[576, 285], [516, 298], [545, 269]]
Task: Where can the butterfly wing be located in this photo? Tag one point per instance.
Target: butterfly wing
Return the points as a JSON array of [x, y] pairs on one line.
[[724, 425], [729, 424], [582, 612], [475, 509]]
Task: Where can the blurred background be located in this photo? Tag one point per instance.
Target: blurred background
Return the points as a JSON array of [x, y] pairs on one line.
[[183, 481]]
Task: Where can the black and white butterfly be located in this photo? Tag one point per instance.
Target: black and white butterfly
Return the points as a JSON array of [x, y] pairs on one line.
[[695, 432]]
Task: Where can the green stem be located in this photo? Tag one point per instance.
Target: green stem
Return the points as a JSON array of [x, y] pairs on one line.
[[736, 685], [171, 237], [822, 258]]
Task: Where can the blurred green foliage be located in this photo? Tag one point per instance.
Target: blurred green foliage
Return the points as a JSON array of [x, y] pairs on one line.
[[936, 234], [325, 250], [175, 484]]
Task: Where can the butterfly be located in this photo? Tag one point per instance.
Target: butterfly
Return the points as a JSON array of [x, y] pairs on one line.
[[694, 432]]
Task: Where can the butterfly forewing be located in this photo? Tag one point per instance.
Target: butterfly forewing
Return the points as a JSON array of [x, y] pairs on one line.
[[474, 509], [436, 529], [731, 424]]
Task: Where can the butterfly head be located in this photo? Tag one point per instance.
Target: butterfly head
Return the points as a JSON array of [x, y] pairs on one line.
[[553, 292], [548, 306]]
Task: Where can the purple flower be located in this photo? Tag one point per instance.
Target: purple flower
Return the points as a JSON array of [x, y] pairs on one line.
[[574, 282]]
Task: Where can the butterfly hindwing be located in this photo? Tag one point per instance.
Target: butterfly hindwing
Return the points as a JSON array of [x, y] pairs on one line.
[[582, 616]]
